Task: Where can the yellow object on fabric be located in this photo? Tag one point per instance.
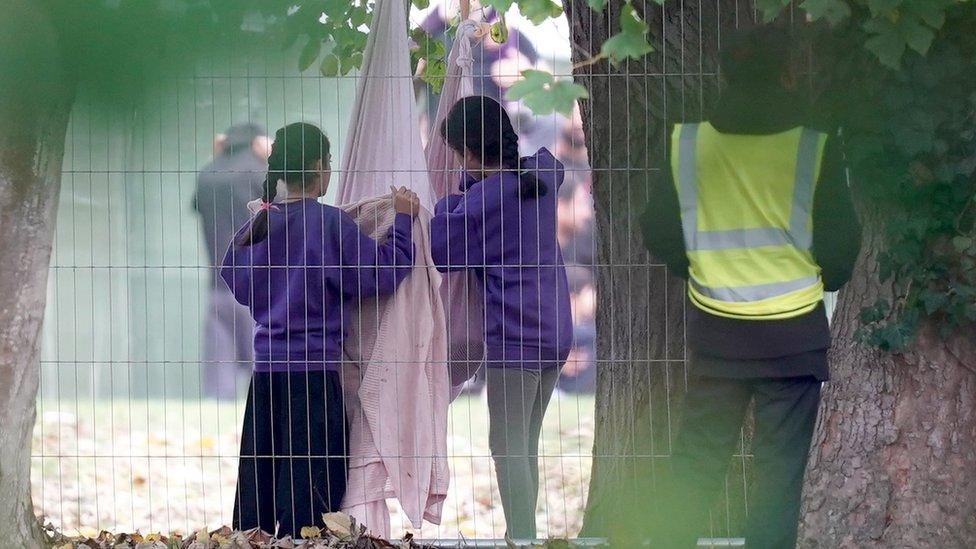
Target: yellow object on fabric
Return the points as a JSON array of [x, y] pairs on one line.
[[747, 219]]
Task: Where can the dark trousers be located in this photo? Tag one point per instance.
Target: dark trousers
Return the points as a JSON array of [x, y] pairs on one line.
[[517, 402], [712, 416], [293, 452]]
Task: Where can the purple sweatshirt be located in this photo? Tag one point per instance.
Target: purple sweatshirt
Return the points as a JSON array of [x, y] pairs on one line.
[[301, 281], [510, 244]]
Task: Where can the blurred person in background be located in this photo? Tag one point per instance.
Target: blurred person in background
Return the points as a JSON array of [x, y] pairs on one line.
[[224, 186]]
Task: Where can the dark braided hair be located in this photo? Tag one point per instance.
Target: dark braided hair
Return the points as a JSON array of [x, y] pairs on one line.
[[296, 147], [480, 125]]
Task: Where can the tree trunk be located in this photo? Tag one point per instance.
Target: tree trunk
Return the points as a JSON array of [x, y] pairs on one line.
[[640, 320], [35, 101], [892, 464]]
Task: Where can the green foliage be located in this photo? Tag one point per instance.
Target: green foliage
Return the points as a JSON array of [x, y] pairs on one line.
[[912, 147], [630, 42], [433, 53], [536, 11], [543, 94], [891, 27]]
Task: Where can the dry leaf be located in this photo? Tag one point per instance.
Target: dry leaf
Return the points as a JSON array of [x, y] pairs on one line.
[[339, 524], [309, 532]]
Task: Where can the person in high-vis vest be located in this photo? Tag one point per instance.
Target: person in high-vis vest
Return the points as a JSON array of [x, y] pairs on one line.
[[755, 212]]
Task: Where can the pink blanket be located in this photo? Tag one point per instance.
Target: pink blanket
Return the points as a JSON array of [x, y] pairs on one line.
[[462, 298], [397, 400]]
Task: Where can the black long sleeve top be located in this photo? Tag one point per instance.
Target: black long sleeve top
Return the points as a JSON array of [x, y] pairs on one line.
[[729, 347]]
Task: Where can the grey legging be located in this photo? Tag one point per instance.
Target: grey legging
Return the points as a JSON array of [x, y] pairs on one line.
[[517, 401]]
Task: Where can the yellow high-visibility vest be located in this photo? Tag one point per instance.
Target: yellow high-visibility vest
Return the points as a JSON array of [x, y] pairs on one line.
[[747, 218]]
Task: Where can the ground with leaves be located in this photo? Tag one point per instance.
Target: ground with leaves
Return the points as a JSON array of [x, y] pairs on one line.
[[170, 466]]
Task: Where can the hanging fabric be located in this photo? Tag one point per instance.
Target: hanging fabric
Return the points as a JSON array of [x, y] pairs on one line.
[[396, 386], [459, 290]]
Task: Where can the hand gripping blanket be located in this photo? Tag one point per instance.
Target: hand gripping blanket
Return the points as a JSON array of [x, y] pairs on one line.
[[397, 387]]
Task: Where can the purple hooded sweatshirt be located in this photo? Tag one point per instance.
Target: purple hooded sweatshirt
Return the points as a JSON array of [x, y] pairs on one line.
[[301, 280], [510, 244]]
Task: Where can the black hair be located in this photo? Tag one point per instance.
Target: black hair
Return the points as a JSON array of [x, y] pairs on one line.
[[295, 148], [481, 125], [756, 56]]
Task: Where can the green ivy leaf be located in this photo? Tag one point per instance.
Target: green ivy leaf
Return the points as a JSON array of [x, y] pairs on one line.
[[883, 7], [918, 36], [538, 11], [543, 94], [499, 31], [888, 46], [347, 64], [832, 11], [963, 243], [434, 73], [335, 9], [596, 5], [358, 16], [771, 8], [630, 42], [309, 53], [329, 66], [421, 4]]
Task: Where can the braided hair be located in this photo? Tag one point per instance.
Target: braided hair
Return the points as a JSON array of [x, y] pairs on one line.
[[480, 125], [296, 147]]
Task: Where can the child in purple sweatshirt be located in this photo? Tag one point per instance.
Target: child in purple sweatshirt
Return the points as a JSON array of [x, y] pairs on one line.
[[299, 266], [503, 228]]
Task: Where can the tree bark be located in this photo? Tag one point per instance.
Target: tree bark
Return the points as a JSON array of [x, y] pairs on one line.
[[892, 464], [640, 320], [35, 102]]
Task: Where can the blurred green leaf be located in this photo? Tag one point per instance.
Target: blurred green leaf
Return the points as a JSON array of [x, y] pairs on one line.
[[630, 42], [543, 94], [596, 5], [832, 11], [501, 6], [771, 8], [499, 31], [538, 11], [329, 66], [309, 53]]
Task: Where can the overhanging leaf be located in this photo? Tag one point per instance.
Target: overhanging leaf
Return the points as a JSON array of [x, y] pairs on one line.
[[309, 53], [771, 8], [543, 94], [630, 42], [832, 11], [538, 11], [329, 66]]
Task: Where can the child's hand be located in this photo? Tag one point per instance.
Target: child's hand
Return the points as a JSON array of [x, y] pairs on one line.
[[405, 201]]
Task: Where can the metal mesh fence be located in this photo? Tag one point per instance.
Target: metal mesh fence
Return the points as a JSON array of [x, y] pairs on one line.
[[139, 425]]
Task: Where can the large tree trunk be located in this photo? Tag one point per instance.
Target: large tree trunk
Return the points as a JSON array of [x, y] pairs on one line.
[[893, 462], [640, 320], [35, 101]]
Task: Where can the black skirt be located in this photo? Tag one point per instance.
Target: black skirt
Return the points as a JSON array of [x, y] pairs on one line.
[[293, 452]]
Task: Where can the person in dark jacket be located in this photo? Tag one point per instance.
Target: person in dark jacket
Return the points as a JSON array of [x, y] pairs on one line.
[[503, 228], [224, 186], [756, 213]]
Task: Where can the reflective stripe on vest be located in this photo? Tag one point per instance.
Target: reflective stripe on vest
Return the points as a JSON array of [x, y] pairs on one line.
[[797, 234], [757, 272]]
